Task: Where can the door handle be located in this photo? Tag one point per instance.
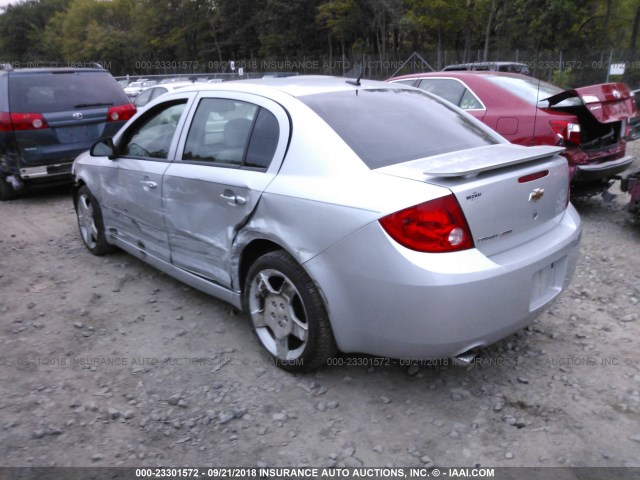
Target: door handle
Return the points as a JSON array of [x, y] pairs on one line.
[[233, 199], [148, 184]]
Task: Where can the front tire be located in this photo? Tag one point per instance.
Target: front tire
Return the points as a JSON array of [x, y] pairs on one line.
[[90, 223], [288, 314]]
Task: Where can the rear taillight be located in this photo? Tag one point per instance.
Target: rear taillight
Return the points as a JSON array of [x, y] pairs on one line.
[[567, 131], [28, 121], [5, 122], [121, 113], [436, 226], [533, 176]]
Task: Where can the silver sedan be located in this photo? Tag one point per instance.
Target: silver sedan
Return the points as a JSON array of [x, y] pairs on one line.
[[341, 215]]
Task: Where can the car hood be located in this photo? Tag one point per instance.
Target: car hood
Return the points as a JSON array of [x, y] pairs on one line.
[[607, 102]]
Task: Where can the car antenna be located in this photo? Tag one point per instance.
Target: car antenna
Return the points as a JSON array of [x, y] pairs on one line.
[[356, 82]]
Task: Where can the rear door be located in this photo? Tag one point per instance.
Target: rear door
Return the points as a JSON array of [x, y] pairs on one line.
[[227, 157]]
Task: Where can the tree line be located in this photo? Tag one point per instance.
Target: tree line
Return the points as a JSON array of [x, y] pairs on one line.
[[156, 36]]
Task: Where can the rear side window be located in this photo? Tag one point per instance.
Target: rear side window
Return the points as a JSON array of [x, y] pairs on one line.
[[229, 132], [452, 90], [264, 140], [410, 81], [388, 126], [46, 92]]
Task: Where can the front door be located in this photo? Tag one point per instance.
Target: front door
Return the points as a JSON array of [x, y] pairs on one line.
[[133, 209]]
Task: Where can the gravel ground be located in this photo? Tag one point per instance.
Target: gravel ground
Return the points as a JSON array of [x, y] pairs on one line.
[[97, 368]]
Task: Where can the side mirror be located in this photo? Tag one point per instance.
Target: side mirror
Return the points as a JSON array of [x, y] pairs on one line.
[[103, 148]]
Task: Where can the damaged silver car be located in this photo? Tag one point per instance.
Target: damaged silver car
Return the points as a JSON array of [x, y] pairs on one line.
[[341, 215]]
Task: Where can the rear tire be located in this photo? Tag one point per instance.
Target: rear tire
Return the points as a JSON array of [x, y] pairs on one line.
[[90, 223], [288, 314], [6, 191]]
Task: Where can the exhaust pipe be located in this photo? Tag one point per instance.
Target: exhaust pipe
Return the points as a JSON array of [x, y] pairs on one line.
[[465, 359]]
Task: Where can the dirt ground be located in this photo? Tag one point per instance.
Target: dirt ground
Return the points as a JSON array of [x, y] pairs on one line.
[[106, 361]]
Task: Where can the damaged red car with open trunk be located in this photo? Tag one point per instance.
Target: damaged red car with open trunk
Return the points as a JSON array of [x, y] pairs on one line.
[[590, 122]]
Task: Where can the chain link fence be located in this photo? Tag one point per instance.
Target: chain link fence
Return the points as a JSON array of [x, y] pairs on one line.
[[564, 68]]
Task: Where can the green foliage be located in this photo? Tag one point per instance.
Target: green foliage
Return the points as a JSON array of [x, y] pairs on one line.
[[126, 33]]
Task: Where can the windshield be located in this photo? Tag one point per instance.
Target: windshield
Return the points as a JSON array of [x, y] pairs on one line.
[[388, 126], [531, 90]]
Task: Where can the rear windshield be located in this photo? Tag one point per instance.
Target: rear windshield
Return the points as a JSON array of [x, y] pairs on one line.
[[60, 92], [388, 126], [531, 90]]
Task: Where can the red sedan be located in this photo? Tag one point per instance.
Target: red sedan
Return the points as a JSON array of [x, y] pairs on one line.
[[590, 122]]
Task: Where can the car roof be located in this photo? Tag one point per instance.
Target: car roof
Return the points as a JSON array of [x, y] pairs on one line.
[[295, 86], [52, 70], [461, 74], [173, 85], [485, 64]]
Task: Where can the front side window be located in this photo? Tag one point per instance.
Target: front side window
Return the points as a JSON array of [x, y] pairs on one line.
[[151, 137], [232, 133]]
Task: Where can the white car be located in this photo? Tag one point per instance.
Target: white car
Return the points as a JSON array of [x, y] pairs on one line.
[[154, 92], [133, 89]]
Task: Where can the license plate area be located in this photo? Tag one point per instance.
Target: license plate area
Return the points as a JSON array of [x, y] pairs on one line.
[[547, 283], [77, 134]]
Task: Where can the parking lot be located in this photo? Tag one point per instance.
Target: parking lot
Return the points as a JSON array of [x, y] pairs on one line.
[[106, 361]]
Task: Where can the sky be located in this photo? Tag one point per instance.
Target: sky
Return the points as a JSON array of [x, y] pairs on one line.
[[4, 3]]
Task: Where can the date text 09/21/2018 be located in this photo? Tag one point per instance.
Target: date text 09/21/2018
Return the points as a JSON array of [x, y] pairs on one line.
[[307, 472]]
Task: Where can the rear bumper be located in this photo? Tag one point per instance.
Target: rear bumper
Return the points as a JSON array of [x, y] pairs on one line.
[[386, 300], [601, 171], [54, 171]]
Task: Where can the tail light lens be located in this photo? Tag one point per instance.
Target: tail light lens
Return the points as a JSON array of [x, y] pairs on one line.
[[567, 131], [5, 122], [23, 121], [436, 226], [121, 113]]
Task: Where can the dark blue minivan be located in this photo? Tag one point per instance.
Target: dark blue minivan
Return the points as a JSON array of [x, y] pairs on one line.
[[48, 116]]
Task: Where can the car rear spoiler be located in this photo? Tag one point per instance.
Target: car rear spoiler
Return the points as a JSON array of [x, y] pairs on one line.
[[469, 163]]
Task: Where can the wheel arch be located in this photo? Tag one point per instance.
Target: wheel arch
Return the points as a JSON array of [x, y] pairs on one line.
[[75, 188], [250, 253]]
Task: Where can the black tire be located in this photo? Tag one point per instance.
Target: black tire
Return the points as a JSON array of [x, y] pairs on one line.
[[6, 191], [284, 305], [90, 223]]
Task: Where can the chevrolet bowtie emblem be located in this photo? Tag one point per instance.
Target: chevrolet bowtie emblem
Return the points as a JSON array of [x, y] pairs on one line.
[[536, 195]]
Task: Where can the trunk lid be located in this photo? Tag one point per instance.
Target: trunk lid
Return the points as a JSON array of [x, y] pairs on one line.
[[509, 194], [606, 102]]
